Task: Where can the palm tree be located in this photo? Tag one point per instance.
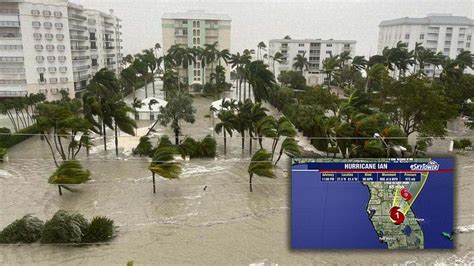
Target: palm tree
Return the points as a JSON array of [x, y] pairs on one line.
[[464, 60], [437, 61], [228, 121], [128, 77], [164, 164], [290, 147], [211, 54], [301, 62], [284, 129], [260, 46], [260, 165], [69, 173], [141, 67], [260, 79], [223, 55], [330, 66], [344, 57], [265, 127], [277, 57], [152, 62], [120, 112], [358, 64], [424, 56], [257, 113]]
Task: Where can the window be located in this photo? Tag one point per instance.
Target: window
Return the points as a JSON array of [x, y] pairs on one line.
[[43, 91], [36, 24], [61, 48], [41, 78], [447, 43], [41, 69], [58, 14], [301, 45], [40, 59], [62, 69], [52, 69], [61, 58], [347, 45], [93, 46], [51, 59], [58, 25], [301, 51], [446, 50], [407, 36], [329, 52], [48, 25], [60, 37], [48, 36], [468, 37], [468, 44], [35, 12], [94, 62], [39, 47], [50, 47], [449, 35], [37, 36], [11, 47], [53, 80], [422, 36], [47, 13], [328, 44]]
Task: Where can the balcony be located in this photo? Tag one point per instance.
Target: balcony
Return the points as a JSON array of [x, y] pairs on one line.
[[93, 38], [78, 17], [81, 68], [78, 27], [79, 48], [109, 40], [12, 70], [110, 55], [108, 31], [80, 58], [9, 12], [109, 47], [79, 38], [108, 24], [78, 78], [111, 63], [11, 36], [10, 24], [13, 93]]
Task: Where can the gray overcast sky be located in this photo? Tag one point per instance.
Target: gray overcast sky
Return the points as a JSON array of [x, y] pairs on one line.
[[255, 21]]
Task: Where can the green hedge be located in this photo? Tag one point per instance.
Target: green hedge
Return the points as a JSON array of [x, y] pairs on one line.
[[8, 141]]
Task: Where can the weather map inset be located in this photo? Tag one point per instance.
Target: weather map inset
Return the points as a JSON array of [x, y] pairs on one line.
[[372, 203]]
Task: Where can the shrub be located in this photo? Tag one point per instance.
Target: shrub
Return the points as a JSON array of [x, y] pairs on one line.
[[25, 230], [144, 148], [64, 227], [3, 153], [165, 142], [208, 147], [101, 229], [462, 144], [189, 147], [8, 141]]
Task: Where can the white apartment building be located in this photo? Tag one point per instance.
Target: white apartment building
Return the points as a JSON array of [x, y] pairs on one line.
[[438, 32], [52, 45], [315, 50], [194, 29]]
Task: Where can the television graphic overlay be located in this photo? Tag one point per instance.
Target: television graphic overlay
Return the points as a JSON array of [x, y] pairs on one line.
[[372, 203]]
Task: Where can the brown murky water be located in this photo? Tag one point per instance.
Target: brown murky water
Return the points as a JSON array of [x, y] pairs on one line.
[[182, 223]]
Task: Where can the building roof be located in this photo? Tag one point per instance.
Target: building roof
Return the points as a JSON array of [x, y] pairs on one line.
[[430, 19], [154, 107], [311, 40], [196, 14]]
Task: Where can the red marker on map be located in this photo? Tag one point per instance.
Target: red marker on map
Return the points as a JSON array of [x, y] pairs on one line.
[[405, 194], [396, 215]]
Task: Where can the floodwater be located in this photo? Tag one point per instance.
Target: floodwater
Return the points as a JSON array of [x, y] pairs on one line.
[[208, 216]]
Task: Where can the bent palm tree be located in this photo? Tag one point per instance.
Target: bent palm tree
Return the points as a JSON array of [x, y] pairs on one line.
[[260, 165], [227, 125], [164, 164], [69, 173], [290, 147]]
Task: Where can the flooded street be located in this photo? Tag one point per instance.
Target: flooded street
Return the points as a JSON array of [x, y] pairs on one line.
[[183, 223]]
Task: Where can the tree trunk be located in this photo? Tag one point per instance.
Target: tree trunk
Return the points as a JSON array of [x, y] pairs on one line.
[[116, 139], [279, 156], [176, 134], [245, 90], [243, 140], [60, 190], [250, 143], [225, 143], [154, 189], [146, 88], [250, 181], [105, 135], [153, 82]]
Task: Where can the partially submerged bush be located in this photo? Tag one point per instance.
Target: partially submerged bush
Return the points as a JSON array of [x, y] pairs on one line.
[[101, 229], [208, 147], [462, 144], [65, 227], [144, 148], [3, 153], [25, 230]]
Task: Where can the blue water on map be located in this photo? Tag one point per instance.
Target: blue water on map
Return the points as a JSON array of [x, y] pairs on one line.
[[330, 215], [334, 215]]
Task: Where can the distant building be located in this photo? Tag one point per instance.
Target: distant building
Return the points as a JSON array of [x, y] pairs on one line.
[[52, 45], [194, 29], [438, 32], [150, 109], [315, 50]]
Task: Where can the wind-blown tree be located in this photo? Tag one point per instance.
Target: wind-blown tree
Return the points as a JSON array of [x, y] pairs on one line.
[[211, 51], [261, 80], [164, 164], [242, 121], [330, 67], [284, 129], [179, 108], [257, 113], [69, 173], [228, 121], [265, 127], [122, 120], [290, 147], [223, 55], [261, 165], [148, 56], [301, 62], [278, 58], [358, 64], [102, 91], [292, 79], [261, 46], [128, 77], [141, 67]]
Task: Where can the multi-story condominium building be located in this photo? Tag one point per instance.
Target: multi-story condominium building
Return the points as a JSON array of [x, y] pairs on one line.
[[438, 32], [194, 29], [315, 50], [52, 45]]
